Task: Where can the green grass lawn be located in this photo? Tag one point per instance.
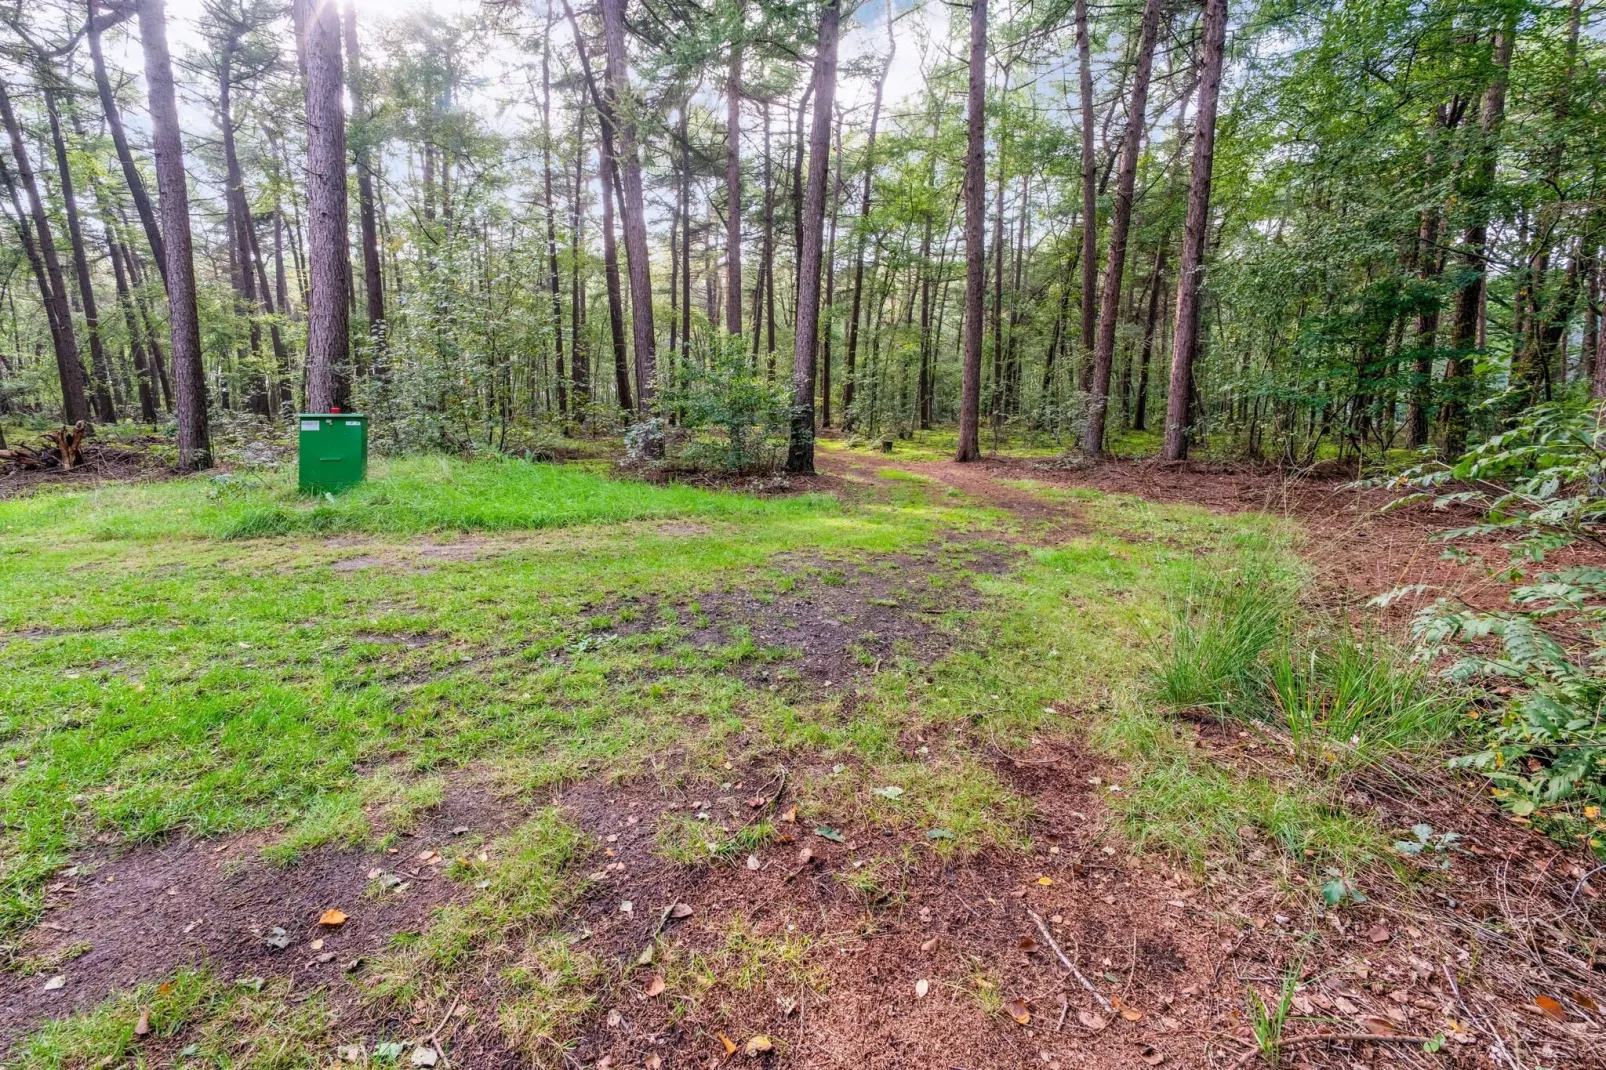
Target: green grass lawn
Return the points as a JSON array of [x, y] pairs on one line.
[[213, 655]]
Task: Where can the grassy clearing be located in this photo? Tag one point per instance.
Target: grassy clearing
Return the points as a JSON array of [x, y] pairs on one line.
[[210, 684], [407, 496]]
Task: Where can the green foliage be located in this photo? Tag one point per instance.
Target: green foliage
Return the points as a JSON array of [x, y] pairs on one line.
[[1539, 488], [733, 417]]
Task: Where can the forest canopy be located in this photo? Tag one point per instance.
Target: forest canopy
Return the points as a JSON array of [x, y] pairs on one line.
[[1277, 231]]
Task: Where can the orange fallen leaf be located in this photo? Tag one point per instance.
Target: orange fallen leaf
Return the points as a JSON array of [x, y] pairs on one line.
[[1017, 1010], [730, 1045], [790, 816], [1583, 1000], [332, 919], [1131, 1014], [1552, 1008], [654, 987]]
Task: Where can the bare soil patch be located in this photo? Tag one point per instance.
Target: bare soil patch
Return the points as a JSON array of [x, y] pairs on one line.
[[117, 918], [852, 997]]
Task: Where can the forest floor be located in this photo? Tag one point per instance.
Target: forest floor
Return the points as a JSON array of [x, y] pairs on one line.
[[597, 773]]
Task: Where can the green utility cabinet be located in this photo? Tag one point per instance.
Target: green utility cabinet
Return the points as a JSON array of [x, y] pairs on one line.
[[334, 450]]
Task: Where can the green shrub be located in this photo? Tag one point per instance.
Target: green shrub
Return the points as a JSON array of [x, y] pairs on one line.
[[1539, 486]]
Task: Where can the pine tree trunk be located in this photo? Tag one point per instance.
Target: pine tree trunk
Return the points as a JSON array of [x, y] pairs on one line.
[[1151, 322], [125, 157], [99, 368], [1090, 216], [47, 271], [189, 376], [373, 274], [551, 207], [1464, 332], [328, 254], [975, 251], [1195, 233], [1120, 222], [849, 372], [733, 192], [830, 284], [617, 75], [800, 452]]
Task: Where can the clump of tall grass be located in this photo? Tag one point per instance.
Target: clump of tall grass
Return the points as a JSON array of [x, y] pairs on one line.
[[1341, 699]]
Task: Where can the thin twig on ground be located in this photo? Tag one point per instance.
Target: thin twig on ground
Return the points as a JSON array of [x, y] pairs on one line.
[[1042, 927]]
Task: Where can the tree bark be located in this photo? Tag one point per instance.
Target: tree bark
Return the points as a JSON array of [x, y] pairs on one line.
[[1120, 222], [1090, 216], [47, 270], [99, 369], [1140, 409], [975, 220], [328, 254], [733, 190], [551, 206], [189, 376], [1195, 233], [800, 453], [125, 157], [373, 274], [1464, 334], [849, 372], [830, 282], [617, 75]]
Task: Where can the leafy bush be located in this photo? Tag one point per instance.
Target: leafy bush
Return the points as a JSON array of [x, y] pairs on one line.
[[1539, 486], [732, 417]]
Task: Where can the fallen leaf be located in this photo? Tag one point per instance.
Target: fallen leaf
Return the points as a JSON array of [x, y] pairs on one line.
[[1583, 1000], [1552, 1008], [805, 855], [1090, 1020], [752, 861], [277, 938], [730, 1045], [1381, 1026], [680, 910], [757, 1046], [1379, 934], [1152, 1057], [645, 958], [922, 986], [425, 1056], [332, 919], [1131, 1014], [787, 1004], [1017, 1010], [654, 1062], [891, 791], [655, 987], [790, 817], [317, 945], [829, 833], [939, 834], [930, 945], [1045, 881], [143, 1026]]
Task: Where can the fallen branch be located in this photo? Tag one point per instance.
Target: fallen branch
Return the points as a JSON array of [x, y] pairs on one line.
[[1333, 1038], [1070, 967]]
